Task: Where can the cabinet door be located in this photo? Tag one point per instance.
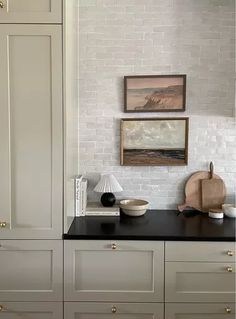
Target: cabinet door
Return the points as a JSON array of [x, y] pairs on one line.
[[30, 132], [199, 282], [30, 11], [31, 270], [122, 271], [25, 310], [199, 311], [77, 310]]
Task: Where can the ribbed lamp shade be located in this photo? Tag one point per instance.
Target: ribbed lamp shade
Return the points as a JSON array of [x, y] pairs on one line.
[[108, 184]]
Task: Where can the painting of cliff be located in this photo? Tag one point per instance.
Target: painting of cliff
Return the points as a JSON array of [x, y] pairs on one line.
[[159, 142], [156, 93]]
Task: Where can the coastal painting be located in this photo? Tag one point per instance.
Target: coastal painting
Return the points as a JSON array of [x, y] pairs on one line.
[[155, 93], [157, 142]]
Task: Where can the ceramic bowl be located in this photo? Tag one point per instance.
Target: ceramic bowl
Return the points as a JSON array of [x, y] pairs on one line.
[[229, 210], [134, 207]]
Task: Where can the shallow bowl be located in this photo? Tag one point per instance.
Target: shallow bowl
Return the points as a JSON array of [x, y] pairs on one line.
[[134, 207], [229, 210]]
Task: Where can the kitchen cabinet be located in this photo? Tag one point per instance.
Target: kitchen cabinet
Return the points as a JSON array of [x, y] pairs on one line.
[[31, 149], [31, 270], [36, 310], [199, 272], [30, 11], [88, 310], [120, 271], [200, 311]]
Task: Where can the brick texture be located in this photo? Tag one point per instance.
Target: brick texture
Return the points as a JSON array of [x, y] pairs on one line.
[[134, 37]]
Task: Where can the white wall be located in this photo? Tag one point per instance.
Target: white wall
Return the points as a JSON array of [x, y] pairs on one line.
[[133, 37]]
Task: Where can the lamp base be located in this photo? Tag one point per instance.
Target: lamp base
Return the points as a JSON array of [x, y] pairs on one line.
[[108, 199]]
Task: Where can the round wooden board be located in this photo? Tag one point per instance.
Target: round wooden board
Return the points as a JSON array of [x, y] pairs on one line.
[[193, 193]]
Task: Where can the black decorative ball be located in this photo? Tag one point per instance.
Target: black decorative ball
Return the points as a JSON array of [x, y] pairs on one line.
[[108, 199]]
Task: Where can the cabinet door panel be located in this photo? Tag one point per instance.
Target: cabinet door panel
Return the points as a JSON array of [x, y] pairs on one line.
[[30, 310], [31, 11], [77, 310], [199, 282], [31, 127], [133, 271], [199, 311], [31, 271]]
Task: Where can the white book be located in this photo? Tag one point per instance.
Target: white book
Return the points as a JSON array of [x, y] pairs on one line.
[[83, 196], [77, 183], [95, 209]]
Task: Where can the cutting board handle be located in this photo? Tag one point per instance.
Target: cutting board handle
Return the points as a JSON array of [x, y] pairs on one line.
[[211, 170]]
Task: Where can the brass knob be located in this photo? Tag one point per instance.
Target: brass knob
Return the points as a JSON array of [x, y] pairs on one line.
[[230, 253], [113, 309], [1, 308], [3, 224], [229, 269], [228, 310], [1, 5], [113, 246]]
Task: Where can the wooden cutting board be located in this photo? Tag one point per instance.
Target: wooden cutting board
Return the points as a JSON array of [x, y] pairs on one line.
[[213, 194], [193, 191]]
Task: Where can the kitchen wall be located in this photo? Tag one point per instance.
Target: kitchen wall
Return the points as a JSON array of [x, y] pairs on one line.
[[133, 37]]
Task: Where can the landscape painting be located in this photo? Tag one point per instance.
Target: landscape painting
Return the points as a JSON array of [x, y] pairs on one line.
[[155, 93], [160, 142]]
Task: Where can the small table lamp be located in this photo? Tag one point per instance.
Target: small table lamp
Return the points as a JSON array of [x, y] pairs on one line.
[[107, 185]]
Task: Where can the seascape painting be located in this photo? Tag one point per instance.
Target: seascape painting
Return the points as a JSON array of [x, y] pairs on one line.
[[160, 142], [159, 93]]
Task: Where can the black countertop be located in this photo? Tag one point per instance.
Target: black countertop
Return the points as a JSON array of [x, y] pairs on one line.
[[154, 225]]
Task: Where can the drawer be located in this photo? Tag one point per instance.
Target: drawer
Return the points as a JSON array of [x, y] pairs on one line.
[[31, 270], [30, 11], [199, 282], [35, 310], [121, 271], [200, 311], [89, 310], [200, 251]]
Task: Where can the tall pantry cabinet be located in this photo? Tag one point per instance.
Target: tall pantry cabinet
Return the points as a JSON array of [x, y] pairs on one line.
[[35, 152]]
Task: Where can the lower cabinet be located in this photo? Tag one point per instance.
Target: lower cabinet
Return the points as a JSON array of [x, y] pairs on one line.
[[31, 270], [79, 310], [121, 271], [199, 311], [31, 310]]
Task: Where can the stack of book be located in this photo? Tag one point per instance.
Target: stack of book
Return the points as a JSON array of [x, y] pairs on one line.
[[96, 209], [80, 195]]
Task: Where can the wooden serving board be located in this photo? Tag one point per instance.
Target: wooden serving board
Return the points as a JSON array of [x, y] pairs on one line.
[[193, 191]]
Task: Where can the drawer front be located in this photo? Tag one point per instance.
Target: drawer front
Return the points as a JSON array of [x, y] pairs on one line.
[[200, 311], [200, 251], [35, 310], [78, 310], [31, 270], [114, 271], [199, 282], [31, 11]]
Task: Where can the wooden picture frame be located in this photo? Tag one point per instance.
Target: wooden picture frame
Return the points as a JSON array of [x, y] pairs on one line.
[[155, 93], [154, 141]]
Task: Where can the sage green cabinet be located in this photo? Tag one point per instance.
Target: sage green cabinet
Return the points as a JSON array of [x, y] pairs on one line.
[[30, 11]]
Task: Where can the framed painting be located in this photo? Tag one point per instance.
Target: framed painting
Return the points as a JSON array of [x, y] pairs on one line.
[[154, 141], [155, 93]]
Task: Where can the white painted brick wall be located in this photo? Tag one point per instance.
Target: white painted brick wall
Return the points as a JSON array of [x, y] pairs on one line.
[[132, 37]]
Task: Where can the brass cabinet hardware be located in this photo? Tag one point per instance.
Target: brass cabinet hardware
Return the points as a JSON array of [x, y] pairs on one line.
[[1, 5], [228, 310], [113, 246], [1, 308], [230, 253], [3, 224], [229, 269], [113, 309]]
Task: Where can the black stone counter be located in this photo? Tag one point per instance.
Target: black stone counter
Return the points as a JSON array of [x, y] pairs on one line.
[[154, 225]]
